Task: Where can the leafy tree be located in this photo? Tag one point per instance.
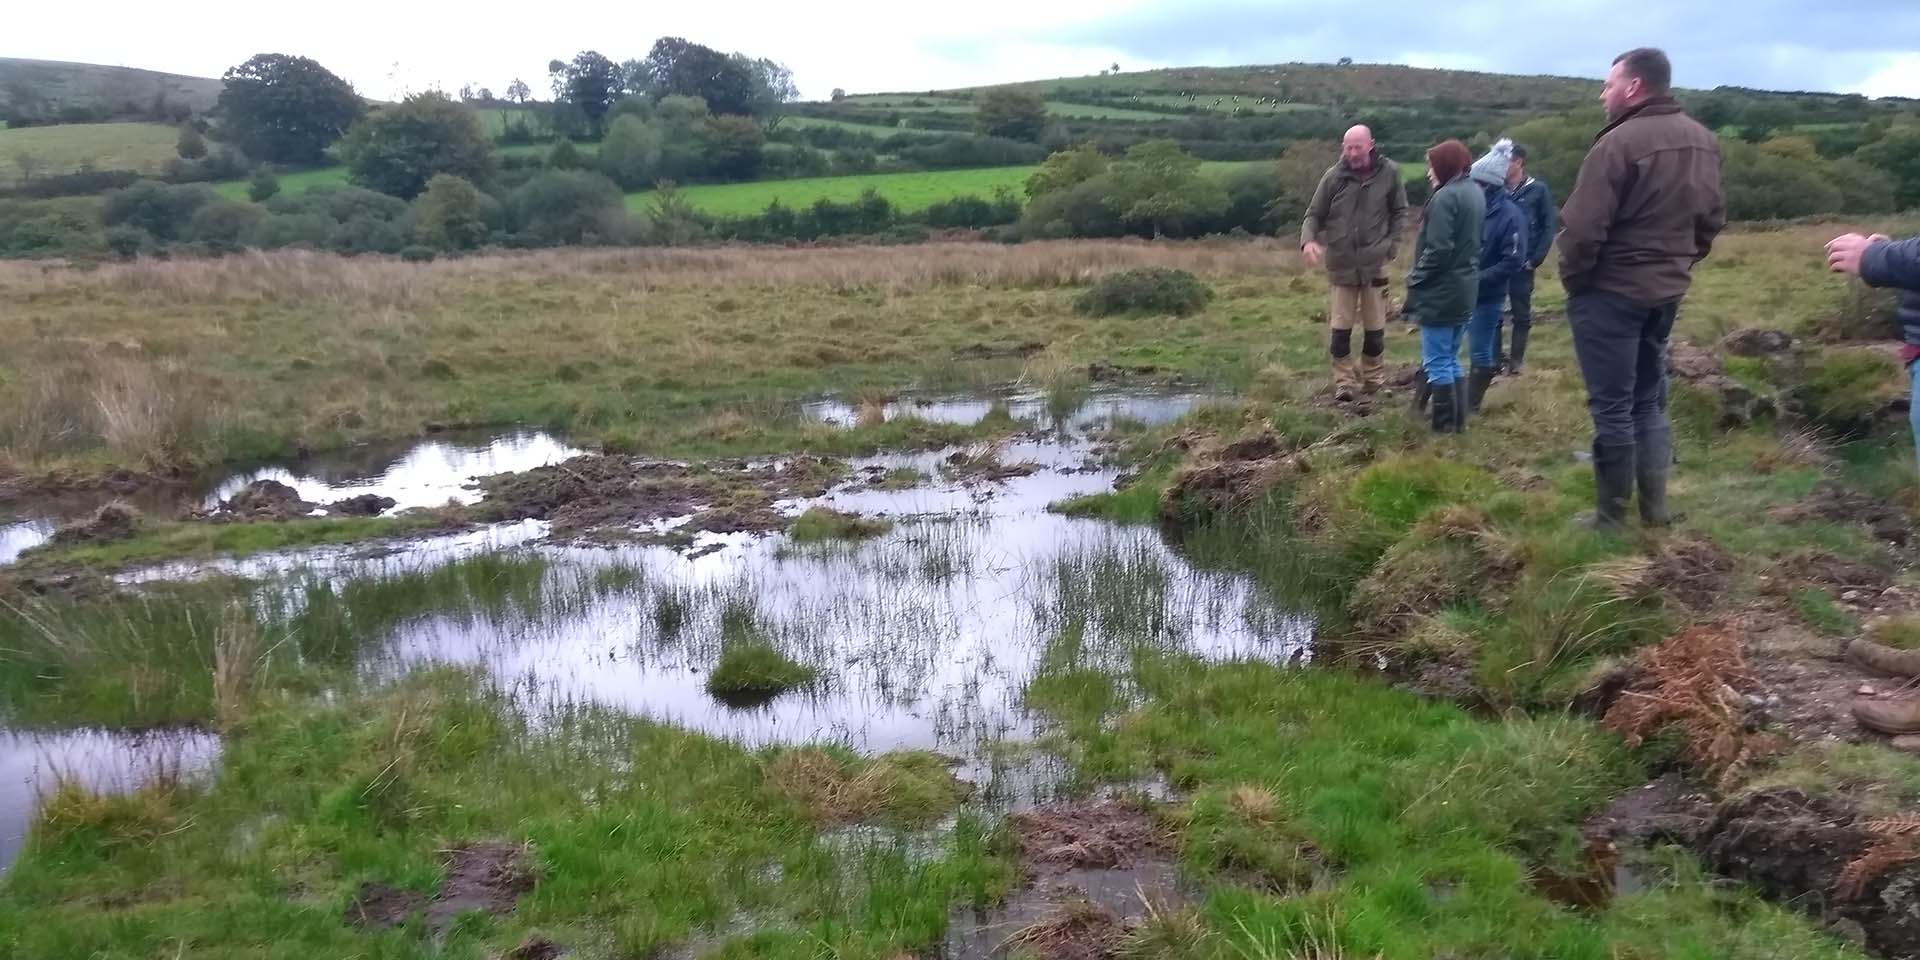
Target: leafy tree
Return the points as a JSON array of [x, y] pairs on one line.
[[567, 207], [519, 92], [1067, 168], [162, 210], [682, 122], [224, 225], [191, 145], [263, 186], [453, 214], [398, 149], [1898, 153], [734, 148], [1158, 186], [286, 109], [1014, 114], [28, 164], [592, 83], [565, 156], [839, 94], [630, 155], [773, 88], [1297, 174], [679, 67]]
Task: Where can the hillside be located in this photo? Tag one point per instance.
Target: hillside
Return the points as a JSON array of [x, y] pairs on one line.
[[81, 92]]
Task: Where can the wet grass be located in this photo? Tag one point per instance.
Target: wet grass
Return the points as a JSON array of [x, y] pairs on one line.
[[186, 541], [820, 524], [1138, 501], [641, 837], [1400, 828], [751, 673]]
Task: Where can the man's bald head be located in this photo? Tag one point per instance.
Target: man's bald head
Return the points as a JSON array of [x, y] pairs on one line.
[[1356, 148]]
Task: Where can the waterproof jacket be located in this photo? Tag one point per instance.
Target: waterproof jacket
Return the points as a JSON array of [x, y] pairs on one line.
[[1896, 263], [1535, 201], [1503, 244], [1358, 218], [1446, 259], [1645, 208]]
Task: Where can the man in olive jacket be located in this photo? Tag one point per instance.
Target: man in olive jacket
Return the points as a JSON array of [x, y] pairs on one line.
[[1352, 228], [1645, 208]]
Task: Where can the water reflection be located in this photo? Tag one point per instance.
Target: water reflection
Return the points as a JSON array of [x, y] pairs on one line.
[[33, 764]]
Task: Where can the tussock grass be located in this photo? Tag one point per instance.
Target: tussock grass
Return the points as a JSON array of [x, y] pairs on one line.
[[820, 524], [904, 788]]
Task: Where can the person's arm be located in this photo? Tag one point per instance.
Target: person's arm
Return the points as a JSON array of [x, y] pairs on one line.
[[1396, 214], [1436, 243], [1513, 256], [1892, 263], [1588, 216], [1710, 223], [1540, 230], [1316, 220]]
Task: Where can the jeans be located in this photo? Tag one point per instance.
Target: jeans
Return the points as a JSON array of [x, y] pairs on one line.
[[1622, 349], [1913, 407], [1483, 334], [1440, 353]]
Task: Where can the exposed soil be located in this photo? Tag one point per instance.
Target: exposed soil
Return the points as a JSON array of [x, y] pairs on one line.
[[1812, 852], [1095, 869], [364, 505], [1738, 404], [113, 521], [1816, 568], [536, 947], [1217, 477], [266, 500], [592, 492], [1101, 371], [1833, 503], [985, 467], [1756, 342], [489, 876]]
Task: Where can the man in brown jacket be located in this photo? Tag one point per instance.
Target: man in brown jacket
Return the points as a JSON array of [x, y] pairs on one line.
[[1352, 228], [1645, 208]]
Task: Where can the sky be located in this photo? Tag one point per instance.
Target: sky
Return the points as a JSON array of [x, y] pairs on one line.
[[388, 49]]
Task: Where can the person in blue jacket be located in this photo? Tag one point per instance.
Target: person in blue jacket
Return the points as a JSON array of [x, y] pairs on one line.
[[1884, 262], [1503, 253], [1535, 200]]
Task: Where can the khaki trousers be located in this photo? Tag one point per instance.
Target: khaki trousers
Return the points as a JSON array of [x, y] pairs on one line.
[[1364, 307]]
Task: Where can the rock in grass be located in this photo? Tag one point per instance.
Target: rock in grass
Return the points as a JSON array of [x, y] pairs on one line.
[[753, 673], [821, 524]]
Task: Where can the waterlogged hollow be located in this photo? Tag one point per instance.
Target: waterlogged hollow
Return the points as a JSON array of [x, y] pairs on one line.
[[33, 765], [926, 636]]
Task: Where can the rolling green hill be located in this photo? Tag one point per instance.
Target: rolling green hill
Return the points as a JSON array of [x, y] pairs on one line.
[[93, 91]]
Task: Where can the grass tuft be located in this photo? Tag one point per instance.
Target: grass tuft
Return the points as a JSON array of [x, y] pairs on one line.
[[820, 525]]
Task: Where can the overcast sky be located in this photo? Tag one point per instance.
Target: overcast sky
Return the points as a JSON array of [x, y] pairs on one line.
[[394, 47]]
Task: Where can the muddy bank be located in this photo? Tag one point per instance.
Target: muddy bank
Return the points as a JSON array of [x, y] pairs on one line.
[[488, 876], [596, 493]]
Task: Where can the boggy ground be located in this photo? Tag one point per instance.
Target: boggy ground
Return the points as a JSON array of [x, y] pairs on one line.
[[1320, 810]]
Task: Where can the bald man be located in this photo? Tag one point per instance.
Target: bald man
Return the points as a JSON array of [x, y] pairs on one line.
[[1352, 228]]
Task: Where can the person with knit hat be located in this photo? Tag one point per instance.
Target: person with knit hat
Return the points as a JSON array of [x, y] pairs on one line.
[[1444, 281], [1503, 253]]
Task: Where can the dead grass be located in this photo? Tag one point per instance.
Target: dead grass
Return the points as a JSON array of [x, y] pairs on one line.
[[1691, 682], [237, 656], [910, 786]]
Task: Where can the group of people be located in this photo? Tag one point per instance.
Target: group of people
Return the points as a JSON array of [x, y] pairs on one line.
[[1645, 208]]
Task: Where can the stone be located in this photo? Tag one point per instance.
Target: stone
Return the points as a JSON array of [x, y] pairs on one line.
[[1866, 690], [1909, 743]]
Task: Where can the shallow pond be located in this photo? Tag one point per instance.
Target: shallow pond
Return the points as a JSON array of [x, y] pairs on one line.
[[924, 637]]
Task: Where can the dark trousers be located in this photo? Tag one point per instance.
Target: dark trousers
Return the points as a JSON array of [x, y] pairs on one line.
[[1622, 349], [1520, 304]]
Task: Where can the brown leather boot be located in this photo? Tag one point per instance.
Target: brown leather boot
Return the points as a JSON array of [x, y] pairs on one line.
[[1884, 659], [1894, 717]]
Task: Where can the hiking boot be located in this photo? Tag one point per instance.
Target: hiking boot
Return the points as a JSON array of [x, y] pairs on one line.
[[1373, 360], [1518, 356], [1477, 383], [1422, 391], [1651, 464], [1884, 659], [1894, 717], [1612, 487]]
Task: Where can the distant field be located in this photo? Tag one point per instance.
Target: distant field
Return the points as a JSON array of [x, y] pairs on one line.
[[875, 129], [107, 146], [297, 181], [908, 191]]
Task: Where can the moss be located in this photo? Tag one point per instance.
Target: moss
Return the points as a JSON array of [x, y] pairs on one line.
[[1847, 390], [1399, 490]]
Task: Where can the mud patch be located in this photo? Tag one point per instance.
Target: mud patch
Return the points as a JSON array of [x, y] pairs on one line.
[[266, 500], [1096, 870], [589, 493], [984, 467], [1756, 342], [536, 948], [1820, 855], [1738, 405], [113, 521], [364, 505], [1220, 477], [1817, 568], [489, 876], [1833, 503], [1687, 570]]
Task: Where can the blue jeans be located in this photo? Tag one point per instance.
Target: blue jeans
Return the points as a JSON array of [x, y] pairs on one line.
[[1440, 353], [1913, 407], [1483, 334]]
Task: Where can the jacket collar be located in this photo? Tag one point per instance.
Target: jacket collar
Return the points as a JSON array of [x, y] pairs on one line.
[[1652, 107], [1377, 164]]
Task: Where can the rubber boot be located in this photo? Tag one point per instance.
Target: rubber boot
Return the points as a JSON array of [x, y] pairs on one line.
[[1422, 391], [1459, 406], [1477, 383], [1443, 419], [1612, 486], [1651, 464], [1517, 357], [1881, 658], [1895, 717]]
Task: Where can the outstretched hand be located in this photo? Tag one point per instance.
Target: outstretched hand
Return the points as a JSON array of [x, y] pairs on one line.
[[1844, 252]]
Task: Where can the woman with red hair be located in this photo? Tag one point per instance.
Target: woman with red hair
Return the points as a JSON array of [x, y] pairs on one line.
[[1444, 281]]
